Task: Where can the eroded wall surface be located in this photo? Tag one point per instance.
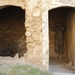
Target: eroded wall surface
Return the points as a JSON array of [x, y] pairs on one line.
[[36, 25], [33, 26], [69, 34], [33, 34], [20, 3], [73, 50]]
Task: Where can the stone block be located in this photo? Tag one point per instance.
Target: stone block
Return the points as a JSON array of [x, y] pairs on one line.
[[36, 13], [31, 45], [28, 33], [35, 37], [29, 40]]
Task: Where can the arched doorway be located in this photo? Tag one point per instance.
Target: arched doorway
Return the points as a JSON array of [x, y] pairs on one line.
[[58, 53], [12, 31]]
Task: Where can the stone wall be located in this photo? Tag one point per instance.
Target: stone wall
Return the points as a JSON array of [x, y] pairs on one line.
[[33, 34], [36, 24], [73, 50], [20, 3], [33, 26], [69, 34]]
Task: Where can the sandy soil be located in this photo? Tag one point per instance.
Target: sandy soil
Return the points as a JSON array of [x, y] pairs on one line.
[[57, 67]]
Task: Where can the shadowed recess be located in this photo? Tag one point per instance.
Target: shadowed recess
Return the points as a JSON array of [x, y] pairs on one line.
[[12, 31]]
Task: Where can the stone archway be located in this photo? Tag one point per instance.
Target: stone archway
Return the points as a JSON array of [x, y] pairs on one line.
[[45, 29], [65, 15], [18, 3], [12, 29]]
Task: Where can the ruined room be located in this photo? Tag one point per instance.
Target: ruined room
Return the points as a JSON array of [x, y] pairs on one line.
[[65, 16], [12, 31]]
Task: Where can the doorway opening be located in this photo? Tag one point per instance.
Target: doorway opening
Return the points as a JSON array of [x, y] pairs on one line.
[[60, 38], [12, 31]]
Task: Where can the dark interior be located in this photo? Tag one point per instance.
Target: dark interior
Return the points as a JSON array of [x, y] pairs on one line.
[[60, 14], [12, 31], [65, 15]]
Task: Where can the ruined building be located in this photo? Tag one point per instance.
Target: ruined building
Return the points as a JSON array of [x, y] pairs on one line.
[[26, 29]]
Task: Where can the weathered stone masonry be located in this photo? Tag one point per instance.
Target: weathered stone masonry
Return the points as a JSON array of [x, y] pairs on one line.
[[47, 6], [33, 34], [36, 25], [33, 26]]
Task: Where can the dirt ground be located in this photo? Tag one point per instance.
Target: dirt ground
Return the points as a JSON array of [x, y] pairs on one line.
[[57, 67], [18, 66]]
